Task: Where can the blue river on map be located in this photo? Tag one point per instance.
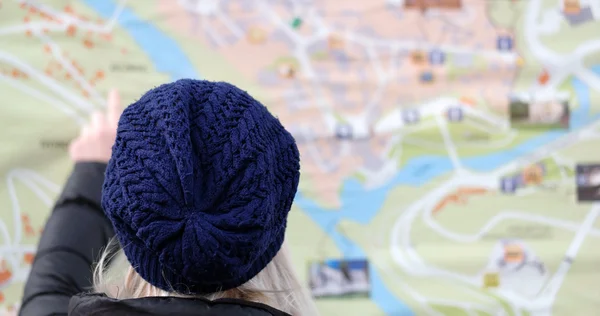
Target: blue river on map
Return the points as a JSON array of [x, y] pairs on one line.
[[358, 204]]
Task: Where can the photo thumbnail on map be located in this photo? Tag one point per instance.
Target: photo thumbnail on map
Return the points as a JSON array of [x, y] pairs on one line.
[[514, 266], [348, 132], [588, 182], [532, 175], [340, 278], [545, 112]]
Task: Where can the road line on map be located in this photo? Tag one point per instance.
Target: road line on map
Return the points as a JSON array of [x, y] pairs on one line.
[[10, 257], [5, 234], [374, 100], [589, 77], [55, 188], [46, 98], [469, 307], [549, 293], [57, 53], [110, 24], [379, 72], [433, 108], [401, 232], [483, 128], [376, 179], [29, 181], [532, 40], [398, 258], [12, 248], [277, 21], [561, 170], [232, 26], [422, 143], [21, 28], [546, 150], [496, 144], [585, 49], [397, 44], [412, 45], [19, 174], [322, 28], [70, 19], [411, 292], [497, 121], [16, 209], [497, 219], [327, 167], [299, 52], [595, 7], [210, 32], [84, 105], [450, 148]]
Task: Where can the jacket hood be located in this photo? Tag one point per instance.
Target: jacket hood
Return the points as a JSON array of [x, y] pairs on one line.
[[100, 305]]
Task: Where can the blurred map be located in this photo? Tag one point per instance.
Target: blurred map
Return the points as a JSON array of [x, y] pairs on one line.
[[451, 146]]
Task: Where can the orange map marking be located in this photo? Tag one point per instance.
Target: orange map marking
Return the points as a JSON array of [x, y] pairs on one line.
[[88, 43], [468, 101], [28, 257], [5, 273], [71, 30], [544, 77], [459, 197]]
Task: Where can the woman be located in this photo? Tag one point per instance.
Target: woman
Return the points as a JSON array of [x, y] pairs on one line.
[[197, 190]]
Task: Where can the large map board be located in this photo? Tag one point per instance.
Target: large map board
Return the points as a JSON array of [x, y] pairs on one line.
[[448, 147]]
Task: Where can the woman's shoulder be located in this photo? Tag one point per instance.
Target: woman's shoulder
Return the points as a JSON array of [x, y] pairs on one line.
[[100, 304]]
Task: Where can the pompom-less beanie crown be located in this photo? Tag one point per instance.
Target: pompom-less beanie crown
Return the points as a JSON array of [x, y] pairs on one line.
[[199, 185]]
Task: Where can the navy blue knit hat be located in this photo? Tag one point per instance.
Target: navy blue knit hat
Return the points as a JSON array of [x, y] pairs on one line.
[[199, 186]]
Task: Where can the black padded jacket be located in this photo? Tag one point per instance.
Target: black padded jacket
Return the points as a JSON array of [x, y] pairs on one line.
[[77, 230]]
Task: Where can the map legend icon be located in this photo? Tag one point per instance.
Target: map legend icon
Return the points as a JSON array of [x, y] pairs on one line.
[[417, 57], [491, 280], [504, 43], [437, 57], [256, 35], [571, 6], [534, 174], [426, 77], [455, 114], [335, 42], [287, 70], [509, 185], [588, 182], [410, 116], [540, 112], [513, 253], [296, 22], [344, 131], [514, 266], [340, 278]]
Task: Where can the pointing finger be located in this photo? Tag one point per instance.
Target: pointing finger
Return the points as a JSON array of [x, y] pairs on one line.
[[114, 106], [85, 131], [98, 120]]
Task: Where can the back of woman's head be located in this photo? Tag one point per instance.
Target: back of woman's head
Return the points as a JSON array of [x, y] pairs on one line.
[[276, 285], [198, 189]]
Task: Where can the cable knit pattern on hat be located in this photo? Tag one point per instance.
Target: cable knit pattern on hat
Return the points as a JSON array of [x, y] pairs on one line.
[[199, 186]]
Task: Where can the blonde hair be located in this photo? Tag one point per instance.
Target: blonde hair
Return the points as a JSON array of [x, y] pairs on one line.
[[276, 285]]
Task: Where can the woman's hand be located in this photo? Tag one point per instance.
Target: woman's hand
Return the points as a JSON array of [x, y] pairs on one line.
[[94, 143]]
